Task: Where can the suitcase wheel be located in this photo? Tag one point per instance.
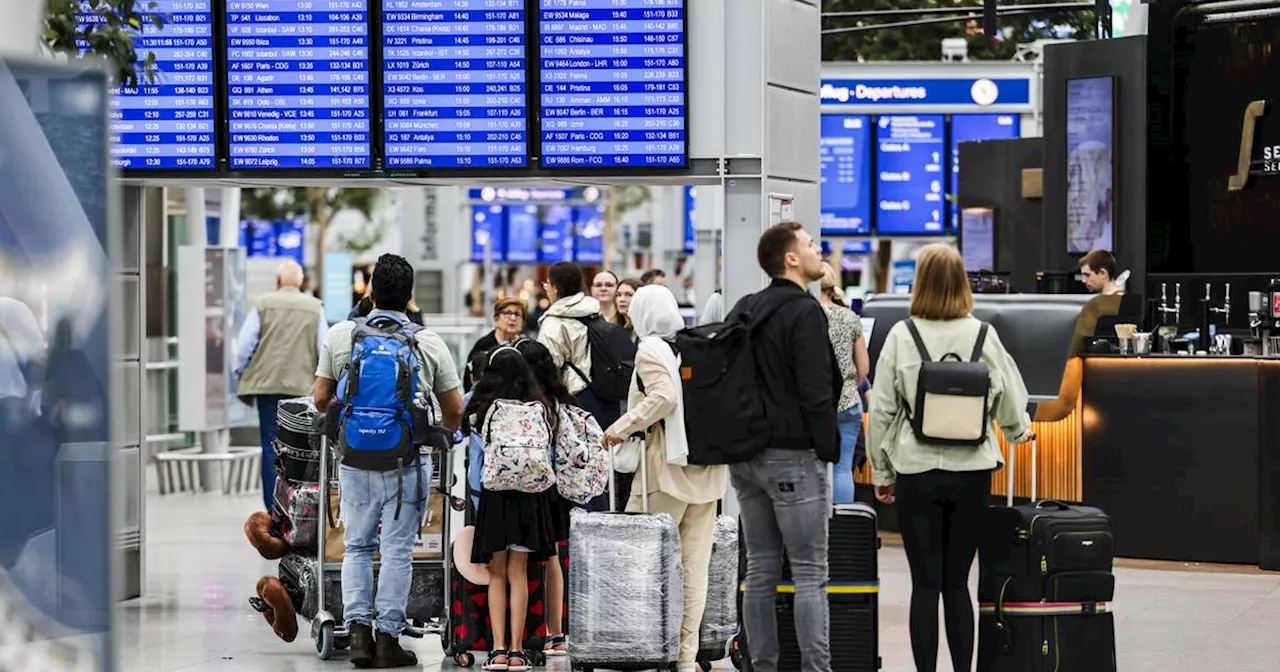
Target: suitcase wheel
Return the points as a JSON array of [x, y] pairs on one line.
[[464, 659], [735, 653], [537, 658], [705, 665]]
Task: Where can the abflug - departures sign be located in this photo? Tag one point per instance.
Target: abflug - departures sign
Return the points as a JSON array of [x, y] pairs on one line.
[[963, 91]]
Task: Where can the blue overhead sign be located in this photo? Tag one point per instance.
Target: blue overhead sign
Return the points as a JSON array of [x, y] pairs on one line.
[[845, 195], [910, 157], [982, 91]]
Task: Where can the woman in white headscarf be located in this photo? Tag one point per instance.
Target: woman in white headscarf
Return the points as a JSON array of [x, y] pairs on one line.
[[687, 492]]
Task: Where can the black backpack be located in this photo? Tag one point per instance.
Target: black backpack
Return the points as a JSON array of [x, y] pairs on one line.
[[613, 359], [953, 396], [724, 416]]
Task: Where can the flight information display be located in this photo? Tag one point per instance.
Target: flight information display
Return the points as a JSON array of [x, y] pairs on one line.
[[298, 84], [556, 234], [523, 229], [489, 229], [454, 84], [589, 243], [909, 160], [167, 123], [845, 195], [974, 128], [612, 83]]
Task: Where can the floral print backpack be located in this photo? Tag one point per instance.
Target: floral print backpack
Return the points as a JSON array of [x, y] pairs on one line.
[[517, 447], [582, 466]]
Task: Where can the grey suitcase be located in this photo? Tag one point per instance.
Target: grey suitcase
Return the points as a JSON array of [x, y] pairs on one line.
[[626, 588], [720, 620]]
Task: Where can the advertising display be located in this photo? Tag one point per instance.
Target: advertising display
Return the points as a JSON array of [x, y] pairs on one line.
[[168, 123], [978, 239], [556, 237], [1090, 164], [972, 128], [523, 229], [58, 397], [589, 241], [910, 177], [612, 83], [454, 84], [336, 286], [298, 85], [489, 228], [845, 195]]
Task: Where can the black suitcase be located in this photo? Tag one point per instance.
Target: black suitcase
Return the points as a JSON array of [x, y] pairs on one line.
[[1045, 587], [853, 591]]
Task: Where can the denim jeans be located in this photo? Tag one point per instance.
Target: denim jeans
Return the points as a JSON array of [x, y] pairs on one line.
[[783, 501], [368, 501], [267, 405], [850, 423]]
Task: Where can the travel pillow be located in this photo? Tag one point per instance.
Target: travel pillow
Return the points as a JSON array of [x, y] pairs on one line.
[[279, 610], [259, 529]]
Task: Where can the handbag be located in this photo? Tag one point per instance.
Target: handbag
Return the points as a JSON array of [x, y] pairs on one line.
[[626, 456]]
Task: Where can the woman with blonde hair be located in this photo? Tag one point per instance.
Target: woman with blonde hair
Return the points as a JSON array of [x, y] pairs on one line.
[[941, 491], [844, 328]]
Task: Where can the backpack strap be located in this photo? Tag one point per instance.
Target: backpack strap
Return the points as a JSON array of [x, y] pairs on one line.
[[982, 339], [915, 336]]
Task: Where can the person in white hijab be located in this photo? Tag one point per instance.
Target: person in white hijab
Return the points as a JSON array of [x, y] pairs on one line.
[[687, 492]]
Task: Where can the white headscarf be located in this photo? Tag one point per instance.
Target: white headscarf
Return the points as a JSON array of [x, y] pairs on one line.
[[655, 315]]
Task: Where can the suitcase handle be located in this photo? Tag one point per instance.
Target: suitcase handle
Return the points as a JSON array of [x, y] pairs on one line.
[[1052, 502]]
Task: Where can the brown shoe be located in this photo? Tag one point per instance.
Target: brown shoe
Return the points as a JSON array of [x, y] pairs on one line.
[[362, 647], [389, 653]]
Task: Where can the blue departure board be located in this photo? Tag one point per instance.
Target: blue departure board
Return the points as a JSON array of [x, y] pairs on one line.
[[298, 84], [845, 196], [167, 123], [973, 128], [489, 226], [454, 84], [612, 83], [589, 243], [909, 161], [556, 234], [522, 234]]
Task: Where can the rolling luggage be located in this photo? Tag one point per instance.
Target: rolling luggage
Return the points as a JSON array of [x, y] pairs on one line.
[[1045, 588], [720, 620], [626, 588], [472, 630], [297, 443], [853, 593], [297, 507]]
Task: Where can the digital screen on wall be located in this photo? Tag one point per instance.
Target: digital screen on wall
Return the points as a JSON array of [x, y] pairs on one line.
[[454, 84], [167, 123], [488, 227], [612, 83], [1090, 164], [845, 196], [589, 239], [557, 234], [298, 85], [523, 229], [974, 128], [690, 219], [909, 179], [978, 239]]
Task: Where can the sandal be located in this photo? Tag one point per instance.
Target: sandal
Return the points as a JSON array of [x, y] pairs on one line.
[[498, 661], [557, 645], [518, 662]]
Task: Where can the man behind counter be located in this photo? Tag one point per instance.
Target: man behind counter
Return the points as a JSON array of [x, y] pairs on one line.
[[1110, 307]]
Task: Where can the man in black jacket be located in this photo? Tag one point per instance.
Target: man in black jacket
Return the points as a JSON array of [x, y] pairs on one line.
[[784, 492]]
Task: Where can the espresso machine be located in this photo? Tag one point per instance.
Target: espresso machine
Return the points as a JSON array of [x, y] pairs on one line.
[[1264, 318]]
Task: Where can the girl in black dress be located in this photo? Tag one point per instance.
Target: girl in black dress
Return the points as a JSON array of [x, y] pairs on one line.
[[512, 527]]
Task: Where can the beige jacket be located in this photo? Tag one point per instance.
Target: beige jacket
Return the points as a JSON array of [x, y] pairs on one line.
[[691, 484], [892, 447], [561, 330]]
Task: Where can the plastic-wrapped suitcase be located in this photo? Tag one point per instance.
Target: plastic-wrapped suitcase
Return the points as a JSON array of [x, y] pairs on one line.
[[853, 591], [720, 619], [626, 588], [299, 573], [298, 511]]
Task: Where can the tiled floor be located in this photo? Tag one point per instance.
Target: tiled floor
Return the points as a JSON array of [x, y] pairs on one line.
[[195, 617]]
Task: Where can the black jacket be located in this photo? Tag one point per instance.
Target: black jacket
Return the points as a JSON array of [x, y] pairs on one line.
[[800, 381], [486, 343]]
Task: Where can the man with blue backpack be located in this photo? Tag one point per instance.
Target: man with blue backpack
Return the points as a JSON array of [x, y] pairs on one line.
[[380, 372]]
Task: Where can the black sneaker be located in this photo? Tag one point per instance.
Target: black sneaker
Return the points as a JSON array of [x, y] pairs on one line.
[[362, 647], [389, 653]]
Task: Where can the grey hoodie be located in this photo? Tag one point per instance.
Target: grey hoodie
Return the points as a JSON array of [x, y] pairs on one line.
[[561, 330]]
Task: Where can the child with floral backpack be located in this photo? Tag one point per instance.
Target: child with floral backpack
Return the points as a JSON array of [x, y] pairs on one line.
[[512, 526]]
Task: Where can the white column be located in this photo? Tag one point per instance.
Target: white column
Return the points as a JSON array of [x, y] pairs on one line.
[[211, 440], [229, 229], [20, 26]]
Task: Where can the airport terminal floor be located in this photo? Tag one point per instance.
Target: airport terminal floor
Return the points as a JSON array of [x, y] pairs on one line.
[[194, 616]]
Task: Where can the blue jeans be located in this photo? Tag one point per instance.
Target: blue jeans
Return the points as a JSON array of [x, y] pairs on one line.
[[368, 499], [782, 497], [267, 428], [850, 423]]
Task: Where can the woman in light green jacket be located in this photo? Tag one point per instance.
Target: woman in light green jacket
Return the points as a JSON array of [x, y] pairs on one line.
[[941, 491]]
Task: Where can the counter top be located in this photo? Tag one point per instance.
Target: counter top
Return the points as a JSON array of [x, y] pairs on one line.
[[1161, 356]]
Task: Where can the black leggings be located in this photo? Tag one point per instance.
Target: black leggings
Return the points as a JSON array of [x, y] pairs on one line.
[[941, 514]]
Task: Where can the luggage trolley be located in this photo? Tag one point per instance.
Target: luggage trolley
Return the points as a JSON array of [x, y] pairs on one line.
[[327, 630]]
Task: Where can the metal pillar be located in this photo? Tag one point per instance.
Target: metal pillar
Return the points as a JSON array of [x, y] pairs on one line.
[[211, 440]]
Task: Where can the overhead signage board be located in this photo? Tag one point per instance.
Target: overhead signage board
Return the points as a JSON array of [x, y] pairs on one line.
[[298, 84], [910, 178], [589, 243], [612, 83], [489, 227], [982, 91], [454, 84], [845, 196], [523, 229], [556, 239]]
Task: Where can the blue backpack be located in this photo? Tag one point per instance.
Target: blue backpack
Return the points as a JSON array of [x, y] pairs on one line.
[[376, 421]]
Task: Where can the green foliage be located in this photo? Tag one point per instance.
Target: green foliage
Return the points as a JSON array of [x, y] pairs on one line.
[[314, 204], [109, 37], [924, 43]]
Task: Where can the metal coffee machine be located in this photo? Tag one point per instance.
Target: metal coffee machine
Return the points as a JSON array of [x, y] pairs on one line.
[[1264, 319]]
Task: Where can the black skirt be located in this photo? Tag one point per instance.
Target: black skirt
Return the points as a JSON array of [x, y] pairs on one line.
[[508, 518]]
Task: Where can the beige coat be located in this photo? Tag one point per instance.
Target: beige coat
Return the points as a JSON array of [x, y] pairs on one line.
[[564, 334], [691, 484]]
